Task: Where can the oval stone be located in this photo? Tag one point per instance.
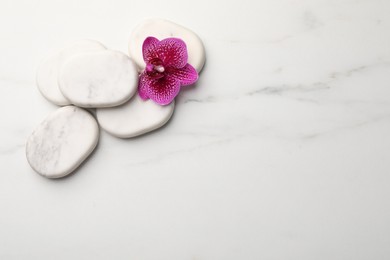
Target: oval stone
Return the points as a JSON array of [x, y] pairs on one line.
[[98, 79], [62, 142], [161, 29], [134, 118], [47, 73]]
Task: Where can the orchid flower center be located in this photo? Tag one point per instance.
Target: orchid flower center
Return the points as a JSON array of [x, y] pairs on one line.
[[155, 68]]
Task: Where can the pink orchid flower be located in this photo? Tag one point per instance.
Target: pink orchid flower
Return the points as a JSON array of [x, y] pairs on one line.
[[166, 70]]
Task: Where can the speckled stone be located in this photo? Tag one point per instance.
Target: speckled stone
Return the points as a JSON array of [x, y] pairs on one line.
[[134, 118], [62, 142], [47, 73], [98, 79]]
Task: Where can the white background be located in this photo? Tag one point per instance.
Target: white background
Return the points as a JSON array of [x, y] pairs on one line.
[[281, 150]]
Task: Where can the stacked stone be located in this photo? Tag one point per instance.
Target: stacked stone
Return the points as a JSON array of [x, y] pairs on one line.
[[86, 74]]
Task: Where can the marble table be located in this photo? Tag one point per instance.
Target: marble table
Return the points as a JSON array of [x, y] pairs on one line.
[[280, 151]]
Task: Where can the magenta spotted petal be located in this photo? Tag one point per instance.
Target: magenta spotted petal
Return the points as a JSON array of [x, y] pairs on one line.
[[173, 52], [186, 75], [162, 91], [149, 49], [166, 70]]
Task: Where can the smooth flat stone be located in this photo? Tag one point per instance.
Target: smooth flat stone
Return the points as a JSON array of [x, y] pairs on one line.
[[98, 79], [62, 142], [47, 73], [162, 29], [134, 118]]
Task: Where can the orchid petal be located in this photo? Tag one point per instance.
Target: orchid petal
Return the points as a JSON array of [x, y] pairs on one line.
[[143, 85], [172, 52], [186, 75], [163, 91], [149, 49]]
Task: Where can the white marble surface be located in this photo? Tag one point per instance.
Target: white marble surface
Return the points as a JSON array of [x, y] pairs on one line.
[[281, 151]]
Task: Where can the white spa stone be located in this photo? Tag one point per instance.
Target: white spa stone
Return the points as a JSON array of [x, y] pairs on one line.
[[161, 29], [62, 142], [98, 79], [135, 117], [47, 73]]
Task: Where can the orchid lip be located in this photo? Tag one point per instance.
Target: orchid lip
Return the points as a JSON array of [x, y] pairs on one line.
[[155, 68], [159, 68]]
